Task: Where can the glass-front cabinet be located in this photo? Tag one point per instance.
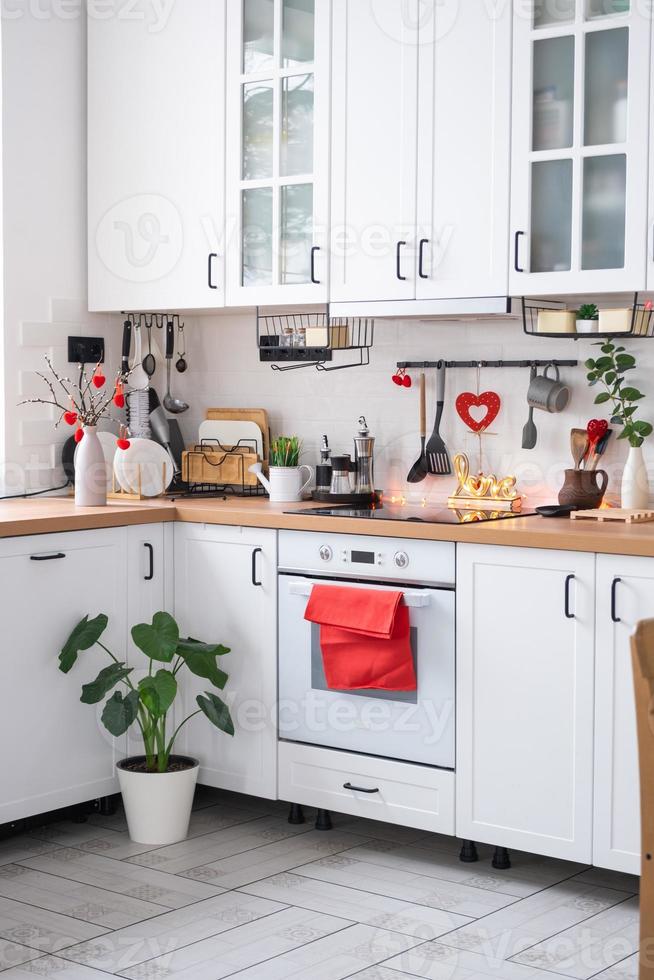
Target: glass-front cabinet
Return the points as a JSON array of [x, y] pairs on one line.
[[580, 146], [278, 151]]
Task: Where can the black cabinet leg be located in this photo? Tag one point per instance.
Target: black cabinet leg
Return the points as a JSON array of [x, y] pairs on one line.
[[468, 852], [501, 860], [107, 805], [296, 814], [323, 820]]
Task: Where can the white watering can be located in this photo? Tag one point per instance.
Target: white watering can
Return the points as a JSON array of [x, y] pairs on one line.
[[285, 484]]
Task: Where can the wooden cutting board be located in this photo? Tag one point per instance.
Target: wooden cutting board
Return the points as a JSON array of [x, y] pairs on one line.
[[614, 514], [258, 415]]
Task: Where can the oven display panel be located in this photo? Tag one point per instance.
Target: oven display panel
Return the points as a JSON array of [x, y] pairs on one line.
[[362, 557]]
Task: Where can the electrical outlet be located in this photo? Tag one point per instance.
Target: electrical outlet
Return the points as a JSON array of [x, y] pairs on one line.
[[85, 350]]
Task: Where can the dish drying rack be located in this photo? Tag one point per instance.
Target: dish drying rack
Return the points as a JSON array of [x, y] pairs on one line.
[[290, 341], [210, 469]]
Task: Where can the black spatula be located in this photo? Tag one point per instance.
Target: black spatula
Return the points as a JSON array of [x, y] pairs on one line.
[[420, 468], [438, 457]]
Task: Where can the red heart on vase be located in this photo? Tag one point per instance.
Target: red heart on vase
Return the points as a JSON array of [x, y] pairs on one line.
[[122, 443], [79, 435], [597, 428], [70, 418], [489, 400]]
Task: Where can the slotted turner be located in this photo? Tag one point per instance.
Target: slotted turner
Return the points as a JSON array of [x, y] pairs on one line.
[[438, 458]]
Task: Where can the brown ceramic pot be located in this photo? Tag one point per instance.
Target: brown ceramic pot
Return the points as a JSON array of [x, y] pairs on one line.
[[584, 488]]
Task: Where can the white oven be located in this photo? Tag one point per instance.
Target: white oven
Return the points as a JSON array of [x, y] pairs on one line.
[[416, 726]]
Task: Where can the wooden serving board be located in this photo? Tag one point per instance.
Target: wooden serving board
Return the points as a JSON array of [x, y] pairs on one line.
[[258, 415], [614, 514]]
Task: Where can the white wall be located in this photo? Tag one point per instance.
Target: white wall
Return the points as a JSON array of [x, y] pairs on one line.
[[44, 222], [224, 370]]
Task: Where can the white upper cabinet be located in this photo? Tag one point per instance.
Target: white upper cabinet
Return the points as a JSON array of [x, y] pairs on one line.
[[156, 151], [464, 120], [581, 81], [420, 150], [278, 61]]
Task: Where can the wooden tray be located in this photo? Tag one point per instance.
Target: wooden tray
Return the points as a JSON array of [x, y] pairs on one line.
[[614, 514], [258, 415]]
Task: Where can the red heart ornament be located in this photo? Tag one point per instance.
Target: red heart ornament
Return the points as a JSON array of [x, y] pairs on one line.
[[123, 443], [488, 399], [597, 428], [79, 435], [70, 418], [99, 380]]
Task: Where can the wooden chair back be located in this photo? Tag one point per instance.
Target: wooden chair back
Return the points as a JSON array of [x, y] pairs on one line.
[[642, 654]]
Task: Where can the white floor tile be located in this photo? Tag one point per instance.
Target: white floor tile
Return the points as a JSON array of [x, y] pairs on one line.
[[407, 886], [241, 869], [224, 843], [241, 947], [534, 919], [19, 848], [52, 966], [126, 948], [591, 946], [333, 958], [437, 962], [12, 954], [125, 879], [359, 906], [89, 837], [627, 970], [41, 929], [610, 879], [203, 821]]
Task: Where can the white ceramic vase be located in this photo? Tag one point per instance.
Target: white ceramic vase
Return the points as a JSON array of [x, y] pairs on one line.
[[90, 470], [285, 483], [635, 482], [158, 804]]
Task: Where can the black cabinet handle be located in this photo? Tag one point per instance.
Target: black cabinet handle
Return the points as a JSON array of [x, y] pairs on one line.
[[614, 616], [421, 256], [150, 550], [255, 552], [315, 248], [398, 261], [53, 557], [516, 251], [359, 789], [210, 258], [568, 580]]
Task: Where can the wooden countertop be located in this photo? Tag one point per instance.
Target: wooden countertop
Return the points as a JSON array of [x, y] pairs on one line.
[[46, 515]]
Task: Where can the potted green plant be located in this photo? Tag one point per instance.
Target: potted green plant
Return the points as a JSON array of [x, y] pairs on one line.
[[587, 318], [285, 483], [609, 370], [158, 786]]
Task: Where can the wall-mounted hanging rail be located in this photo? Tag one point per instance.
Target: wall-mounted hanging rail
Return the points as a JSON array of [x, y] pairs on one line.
[[525, 363]]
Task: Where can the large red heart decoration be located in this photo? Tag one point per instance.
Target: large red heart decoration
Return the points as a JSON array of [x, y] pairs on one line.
[[488, 399], [597, 428]]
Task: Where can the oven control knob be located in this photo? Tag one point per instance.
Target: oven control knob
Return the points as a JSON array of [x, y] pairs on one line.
[[401, 559], [326, 553]]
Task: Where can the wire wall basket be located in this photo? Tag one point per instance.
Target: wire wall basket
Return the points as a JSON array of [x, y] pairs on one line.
[[289, 341], [544, 318]]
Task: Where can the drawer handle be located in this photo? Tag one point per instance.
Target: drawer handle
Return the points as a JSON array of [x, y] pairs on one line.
[[359, 789], [52, 557]]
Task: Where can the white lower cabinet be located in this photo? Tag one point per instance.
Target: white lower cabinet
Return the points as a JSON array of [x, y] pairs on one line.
[[525, 672], [381, 789], [226, 592], [625, 594], [63, 754]]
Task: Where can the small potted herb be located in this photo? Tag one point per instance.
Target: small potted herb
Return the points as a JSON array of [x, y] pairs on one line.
[[157, 787], [609, 370], [285, 484], [587, 318]]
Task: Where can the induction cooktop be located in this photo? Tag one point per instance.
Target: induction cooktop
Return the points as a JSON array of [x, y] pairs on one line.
[[422, 513]]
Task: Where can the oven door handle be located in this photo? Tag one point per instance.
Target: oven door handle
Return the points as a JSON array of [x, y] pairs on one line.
[[412, 599]]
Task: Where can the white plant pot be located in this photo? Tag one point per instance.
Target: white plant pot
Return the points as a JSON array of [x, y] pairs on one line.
[[635, 482], [587, 326], [158, 804], [90, 470], [284, 483]]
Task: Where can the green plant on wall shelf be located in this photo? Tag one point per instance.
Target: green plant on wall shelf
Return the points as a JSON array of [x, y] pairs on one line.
[[148, 701], [609, 370], [588, 311]]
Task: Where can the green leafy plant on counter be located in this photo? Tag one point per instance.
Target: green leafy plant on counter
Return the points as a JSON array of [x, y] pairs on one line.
[[285, 451], [148, 701], [609, 370], [588, 311]]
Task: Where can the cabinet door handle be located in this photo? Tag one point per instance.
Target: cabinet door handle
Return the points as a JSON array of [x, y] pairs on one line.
[[210, 258], [614, 616], [516, 252], [315, 248], [53, 557], [359, 789], [150, 550], [255, 580], [398, 261], [421, 257], [568, 580]]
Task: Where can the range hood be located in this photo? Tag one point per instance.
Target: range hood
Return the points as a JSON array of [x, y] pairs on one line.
[[457, 308]]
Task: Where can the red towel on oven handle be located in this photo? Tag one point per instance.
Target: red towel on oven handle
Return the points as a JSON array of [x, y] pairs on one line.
[[364, 638]]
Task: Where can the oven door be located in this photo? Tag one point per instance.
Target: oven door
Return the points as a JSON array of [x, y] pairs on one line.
[[417, 726]]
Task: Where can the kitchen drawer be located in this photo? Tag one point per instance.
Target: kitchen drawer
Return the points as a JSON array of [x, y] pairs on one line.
[[409, 795]]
